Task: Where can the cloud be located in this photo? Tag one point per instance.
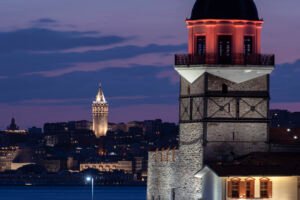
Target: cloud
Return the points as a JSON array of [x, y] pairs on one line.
[[27, 62], [153, 59], [170, 74], [293, 107], [126, 86], [44, 21], [44, 39]]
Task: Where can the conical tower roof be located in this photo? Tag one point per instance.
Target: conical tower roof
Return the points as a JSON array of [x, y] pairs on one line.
[[100, 98]]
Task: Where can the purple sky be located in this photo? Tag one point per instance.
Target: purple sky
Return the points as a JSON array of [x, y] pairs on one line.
[[53, 54]]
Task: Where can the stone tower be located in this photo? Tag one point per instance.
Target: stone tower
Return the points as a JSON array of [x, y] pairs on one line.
[[225, 79], [224, 96], [100, 114]]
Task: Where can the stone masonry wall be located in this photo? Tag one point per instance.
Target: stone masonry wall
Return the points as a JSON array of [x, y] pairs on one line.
[[257, 84], [190, 161], [162, 174], [234, 139]]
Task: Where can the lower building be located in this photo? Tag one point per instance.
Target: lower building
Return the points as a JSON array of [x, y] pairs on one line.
[[273, 176], [122, 165], [7, 155]]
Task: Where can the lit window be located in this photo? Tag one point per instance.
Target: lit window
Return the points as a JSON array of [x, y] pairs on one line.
[[250, 188], [265, 188], [234, 188]]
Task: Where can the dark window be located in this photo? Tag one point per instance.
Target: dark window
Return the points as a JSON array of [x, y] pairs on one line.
[[248, 45], [224, 49], [201, 45], [188, 90], [173, 193], [224, 88]]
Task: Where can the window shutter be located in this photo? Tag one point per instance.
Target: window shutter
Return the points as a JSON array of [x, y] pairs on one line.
[[252, 189], [229, 189], [270, 189], [242, 189]]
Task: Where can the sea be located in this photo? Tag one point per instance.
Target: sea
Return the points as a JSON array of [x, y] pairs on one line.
[[72, 193]]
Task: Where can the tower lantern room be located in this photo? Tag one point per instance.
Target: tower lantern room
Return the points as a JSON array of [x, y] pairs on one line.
[[224, 32]]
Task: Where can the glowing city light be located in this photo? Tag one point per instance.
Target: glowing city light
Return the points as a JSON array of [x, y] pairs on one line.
[[295, 137], [88, 178]]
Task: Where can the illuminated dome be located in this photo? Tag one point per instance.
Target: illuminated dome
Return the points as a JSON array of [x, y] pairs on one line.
[[224, 9]]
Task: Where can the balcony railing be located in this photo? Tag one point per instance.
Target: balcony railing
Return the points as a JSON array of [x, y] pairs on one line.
[[234, 59]]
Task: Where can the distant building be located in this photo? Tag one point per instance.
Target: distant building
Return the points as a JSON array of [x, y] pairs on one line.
[[13, 128], [35, 131], [100, 114], [61, 127], [122, 165], [7, 155], [284, 119]]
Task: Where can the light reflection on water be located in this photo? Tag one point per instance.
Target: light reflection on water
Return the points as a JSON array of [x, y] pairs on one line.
[[72, 193]]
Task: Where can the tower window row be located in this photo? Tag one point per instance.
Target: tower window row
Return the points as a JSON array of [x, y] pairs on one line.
[[224, 46]]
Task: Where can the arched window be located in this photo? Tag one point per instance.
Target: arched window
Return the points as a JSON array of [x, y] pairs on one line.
[[265, 188], [250, 187], [201, 45], [233, 188], [248, 45]]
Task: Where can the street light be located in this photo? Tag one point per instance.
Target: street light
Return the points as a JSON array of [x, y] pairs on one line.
[[91, 179]]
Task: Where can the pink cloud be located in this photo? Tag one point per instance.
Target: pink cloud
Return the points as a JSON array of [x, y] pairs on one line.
[[170, 74], [293, 107], [156, 60]]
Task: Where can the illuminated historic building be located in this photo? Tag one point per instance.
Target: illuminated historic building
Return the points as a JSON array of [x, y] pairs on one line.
[[224, 146], [100, 114], [13, 128]]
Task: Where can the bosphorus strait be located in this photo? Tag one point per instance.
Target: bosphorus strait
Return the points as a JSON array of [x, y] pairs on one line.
[[72, 193]]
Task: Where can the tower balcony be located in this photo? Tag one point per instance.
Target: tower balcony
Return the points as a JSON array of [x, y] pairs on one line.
[[237, 68], [233, 59]]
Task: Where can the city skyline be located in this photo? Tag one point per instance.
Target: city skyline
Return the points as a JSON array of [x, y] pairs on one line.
[[52, 59]]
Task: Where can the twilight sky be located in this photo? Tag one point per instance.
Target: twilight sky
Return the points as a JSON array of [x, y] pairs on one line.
[[53, 54]]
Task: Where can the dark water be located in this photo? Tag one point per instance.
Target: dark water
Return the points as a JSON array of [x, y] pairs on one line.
[[72, 193]]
